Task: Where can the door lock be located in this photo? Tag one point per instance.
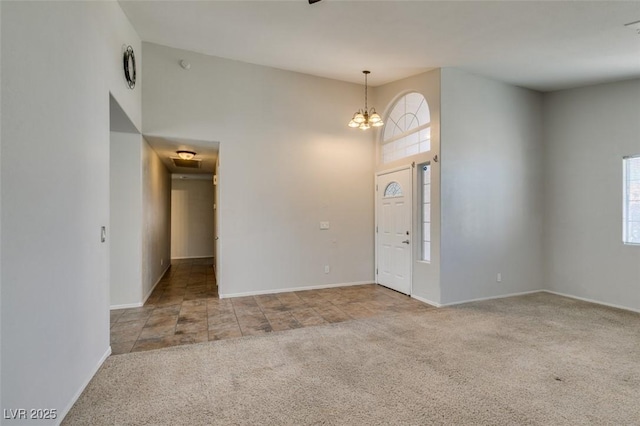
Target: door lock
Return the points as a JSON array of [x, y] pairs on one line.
[[405, 242]]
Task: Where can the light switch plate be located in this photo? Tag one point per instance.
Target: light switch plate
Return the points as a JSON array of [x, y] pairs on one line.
[[324, 225]]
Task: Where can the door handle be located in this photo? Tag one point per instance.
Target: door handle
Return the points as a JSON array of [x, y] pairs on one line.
[[406, 241]]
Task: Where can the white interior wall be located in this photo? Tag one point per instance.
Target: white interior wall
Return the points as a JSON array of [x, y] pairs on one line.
[[426, 276], [125, 263], [0, 205], [587, 132], [491, 188], [192, 217], [156, 219], [60, 61], [290, 162], [140, 220]]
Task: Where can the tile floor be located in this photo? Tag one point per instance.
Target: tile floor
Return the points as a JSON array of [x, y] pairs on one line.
[[185, 308]]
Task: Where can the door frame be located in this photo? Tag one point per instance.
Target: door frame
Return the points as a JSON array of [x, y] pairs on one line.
[[216, 221], [410, 167]]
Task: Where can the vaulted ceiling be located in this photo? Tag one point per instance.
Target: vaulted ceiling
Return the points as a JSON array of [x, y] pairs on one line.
[[537, 44]]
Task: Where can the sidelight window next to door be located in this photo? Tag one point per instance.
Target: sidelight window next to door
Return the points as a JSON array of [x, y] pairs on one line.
[[631, 200], [425, 206]]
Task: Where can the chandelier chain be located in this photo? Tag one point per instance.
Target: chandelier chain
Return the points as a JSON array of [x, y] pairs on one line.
[[365, 92]]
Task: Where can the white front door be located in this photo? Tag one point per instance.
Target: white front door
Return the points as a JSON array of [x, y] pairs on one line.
[[394, 201]]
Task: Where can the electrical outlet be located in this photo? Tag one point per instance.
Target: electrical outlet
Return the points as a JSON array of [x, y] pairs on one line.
[[499, 277], [327, 269], [324, 225]]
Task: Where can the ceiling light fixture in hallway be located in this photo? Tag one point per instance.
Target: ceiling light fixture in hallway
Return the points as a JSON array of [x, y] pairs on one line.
[[186, 155]]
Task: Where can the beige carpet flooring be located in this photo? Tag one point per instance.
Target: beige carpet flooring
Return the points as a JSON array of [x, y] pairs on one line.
[[531, 360]]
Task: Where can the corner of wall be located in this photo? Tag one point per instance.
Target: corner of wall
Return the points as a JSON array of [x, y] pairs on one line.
[[590, 128], [546, 204]]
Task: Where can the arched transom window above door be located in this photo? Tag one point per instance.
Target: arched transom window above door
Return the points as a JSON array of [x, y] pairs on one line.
[[393, 190], [408, 128]]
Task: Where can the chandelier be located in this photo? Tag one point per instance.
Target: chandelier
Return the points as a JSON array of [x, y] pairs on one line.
[[364, 119]]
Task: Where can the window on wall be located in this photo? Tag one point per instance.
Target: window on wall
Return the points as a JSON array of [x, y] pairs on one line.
[[631, 200], [425, 206], [407, 129]]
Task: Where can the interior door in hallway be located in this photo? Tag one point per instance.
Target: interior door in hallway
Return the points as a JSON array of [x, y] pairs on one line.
[[394, 201]]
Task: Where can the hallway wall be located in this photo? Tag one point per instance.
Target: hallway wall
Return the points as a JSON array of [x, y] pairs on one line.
[[125, 246], [140, 220], [192, 218], [156, 219]]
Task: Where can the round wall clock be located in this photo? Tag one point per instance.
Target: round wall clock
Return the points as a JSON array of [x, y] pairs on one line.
[[129, 62]]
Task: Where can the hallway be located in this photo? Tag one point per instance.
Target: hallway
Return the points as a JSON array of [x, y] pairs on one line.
[[185, 308]]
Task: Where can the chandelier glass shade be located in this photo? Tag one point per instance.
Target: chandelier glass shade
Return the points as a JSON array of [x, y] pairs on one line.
[[366, 118]]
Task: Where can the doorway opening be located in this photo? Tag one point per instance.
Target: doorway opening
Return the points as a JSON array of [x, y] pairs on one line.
[[194, 195], [177, 235]]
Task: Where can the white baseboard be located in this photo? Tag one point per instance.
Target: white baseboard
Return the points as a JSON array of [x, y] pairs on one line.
[[139, 304], [427, 301], [144, 300], [583, 299], [286, 290], [125, 306], [63, 414], [192, 257], [597, 302], [480, 299]]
